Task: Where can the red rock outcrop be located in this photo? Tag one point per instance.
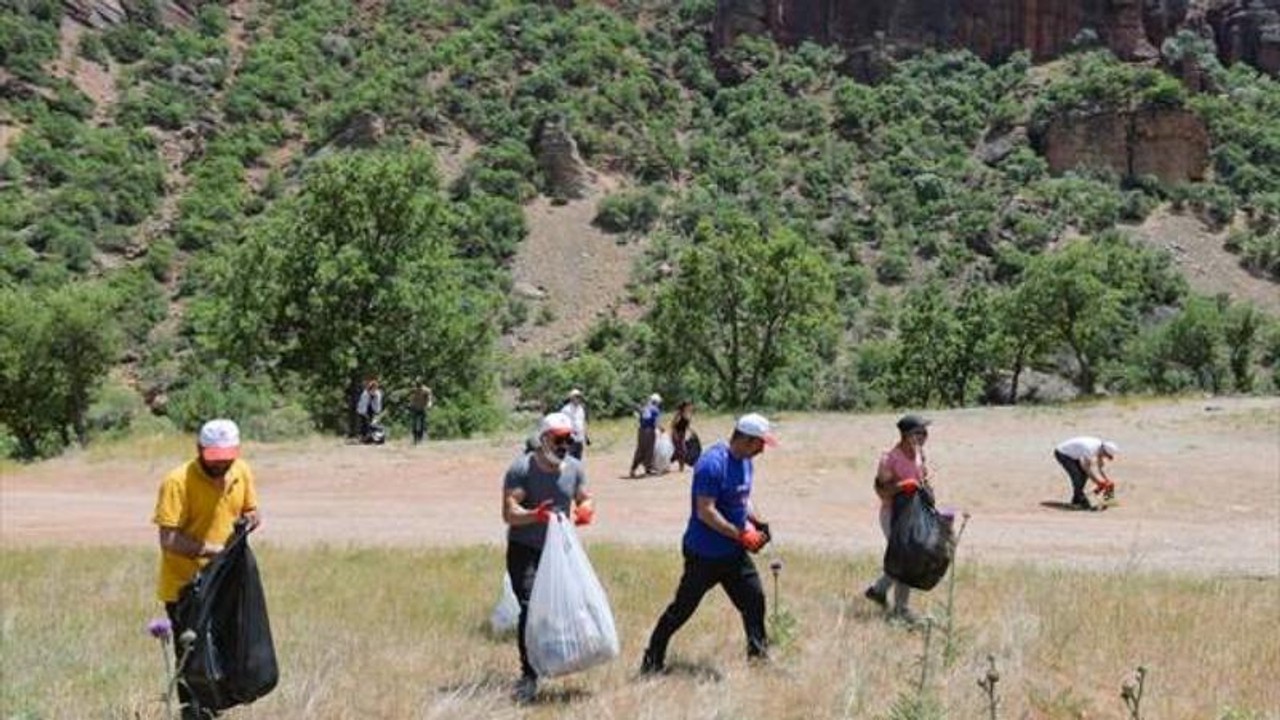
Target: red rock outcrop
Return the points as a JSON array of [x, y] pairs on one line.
[[1171, 144], [868, 30]]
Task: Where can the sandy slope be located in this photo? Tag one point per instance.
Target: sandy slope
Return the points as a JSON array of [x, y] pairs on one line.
[[1199, 488]]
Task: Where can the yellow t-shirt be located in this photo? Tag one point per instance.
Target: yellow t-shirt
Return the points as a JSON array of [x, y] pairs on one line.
[[190, 502]]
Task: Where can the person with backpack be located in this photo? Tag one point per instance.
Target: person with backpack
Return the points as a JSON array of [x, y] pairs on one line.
[[538, 484], [723, 531], [196, 510], [902, 469], [1084, 458]]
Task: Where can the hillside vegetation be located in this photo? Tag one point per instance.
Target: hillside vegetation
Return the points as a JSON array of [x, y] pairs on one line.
[[259, 220]]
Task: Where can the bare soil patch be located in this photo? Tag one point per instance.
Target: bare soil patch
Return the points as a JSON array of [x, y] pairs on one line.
[[581, 270], [1199, 488], [1199, 254]]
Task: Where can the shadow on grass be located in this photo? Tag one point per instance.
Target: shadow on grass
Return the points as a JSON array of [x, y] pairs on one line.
[[696, 671], [1068, 507], [490, 683]]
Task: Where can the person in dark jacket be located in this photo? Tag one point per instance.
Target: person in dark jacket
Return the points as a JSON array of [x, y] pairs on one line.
[[196, 510]]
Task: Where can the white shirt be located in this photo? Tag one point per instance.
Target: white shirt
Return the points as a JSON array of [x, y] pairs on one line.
[[1079, 448], [577, 413], [369, 403]]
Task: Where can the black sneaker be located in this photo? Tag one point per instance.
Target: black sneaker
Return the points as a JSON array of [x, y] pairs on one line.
[[651, 664], [1081, 504], [878, 597], [526, 690]]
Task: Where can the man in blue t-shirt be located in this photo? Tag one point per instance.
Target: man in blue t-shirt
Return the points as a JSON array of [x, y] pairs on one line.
[[723, 528]]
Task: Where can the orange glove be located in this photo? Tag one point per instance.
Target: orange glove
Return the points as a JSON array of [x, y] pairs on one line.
[[909, 486], [543, 512], [752, 539], [583, 515]]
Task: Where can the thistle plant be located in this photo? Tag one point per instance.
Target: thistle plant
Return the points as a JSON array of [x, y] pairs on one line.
[[924, 656], [782, 623], [948, 649], [1131, 692], [988, 684], [162, 630]]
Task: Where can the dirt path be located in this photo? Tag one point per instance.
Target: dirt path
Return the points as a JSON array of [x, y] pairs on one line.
[[1199, 488]]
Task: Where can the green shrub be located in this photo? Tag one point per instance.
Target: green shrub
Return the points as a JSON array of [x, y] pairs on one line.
[[628, 211]]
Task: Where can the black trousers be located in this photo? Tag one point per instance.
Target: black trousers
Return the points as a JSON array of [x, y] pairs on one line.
[[738, 576], [1077, 475], [522, 566], [575, 450], [191, 709], [418, 424]]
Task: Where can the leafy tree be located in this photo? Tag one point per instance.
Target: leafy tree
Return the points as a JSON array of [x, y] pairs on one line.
[[356, 278], [1079, 307], [56, 347], [742, 305]]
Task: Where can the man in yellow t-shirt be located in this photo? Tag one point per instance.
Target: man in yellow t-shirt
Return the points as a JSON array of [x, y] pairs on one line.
[[196, 510]]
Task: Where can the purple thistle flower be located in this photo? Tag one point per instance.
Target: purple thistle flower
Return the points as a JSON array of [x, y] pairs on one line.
[[776, 566], [160, 628]]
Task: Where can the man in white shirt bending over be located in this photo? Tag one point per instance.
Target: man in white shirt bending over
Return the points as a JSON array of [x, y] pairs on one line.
[[1084, 459]]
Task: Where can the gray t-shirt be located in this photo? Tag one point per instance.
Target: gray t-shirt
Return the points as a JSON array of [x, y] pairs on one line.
[[560, 486]]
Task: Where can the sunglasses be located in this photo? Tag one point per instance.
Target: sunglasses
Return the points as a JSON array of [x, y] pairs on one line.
[[562, 440]]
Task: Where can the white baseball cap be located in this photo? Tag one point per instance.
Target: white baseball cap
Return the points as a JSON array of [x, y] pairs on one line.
[[556, 423], [655, 398], [756, 425], [1110, 448], [219, 440]]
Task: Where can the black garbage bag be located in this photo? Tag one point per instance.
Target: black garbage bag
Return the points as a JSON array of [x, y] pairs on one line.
[[692, 448], [920, 541], [233, 659]]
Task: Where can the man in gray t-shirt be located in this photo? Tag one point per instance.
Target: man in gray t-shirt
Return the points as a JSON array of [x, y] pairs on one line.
[[538, 484]]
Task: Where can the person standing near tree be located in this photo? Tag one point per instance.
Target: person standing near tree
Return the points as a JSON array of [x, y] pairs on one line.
[[1084, 458], [646, 436], [421, 399], [576, 410], [196, 510], [369, 407], [538, 484], [724, 527], [902, 469]]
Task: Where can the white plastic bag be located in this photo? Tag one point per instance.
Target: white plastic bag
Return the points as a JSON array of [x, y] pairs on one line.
[[570, 624], [505, 617], [663, 451]]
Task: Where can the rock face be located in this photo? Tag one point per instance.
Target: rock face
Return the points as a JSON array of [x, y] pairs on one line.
[[103, 14], [868, 30], [558, 157], [1170, 144]]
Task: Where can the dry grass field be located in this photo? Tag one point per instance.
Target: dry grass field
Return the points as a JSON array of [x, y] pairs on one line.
[[382, 564]]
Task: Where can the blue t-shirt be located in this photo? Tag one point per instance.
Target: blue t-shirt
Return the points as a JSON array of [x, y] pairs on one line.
[[727, 479], [649, 416]]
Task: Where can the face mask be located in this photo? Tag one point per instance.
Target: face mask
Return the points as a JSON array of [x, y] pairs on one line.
[[554, 452]]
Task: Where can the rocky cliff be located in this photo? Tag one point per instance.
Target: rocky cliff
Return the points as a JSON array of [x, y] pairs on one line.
[[870, 30]]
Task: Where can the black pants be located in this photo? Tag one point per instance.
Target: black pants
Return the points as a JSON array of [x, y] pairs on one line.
[[738, 576], [575, 450], [191, 709], [522, 566], [1077, 475], [418, 422]]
